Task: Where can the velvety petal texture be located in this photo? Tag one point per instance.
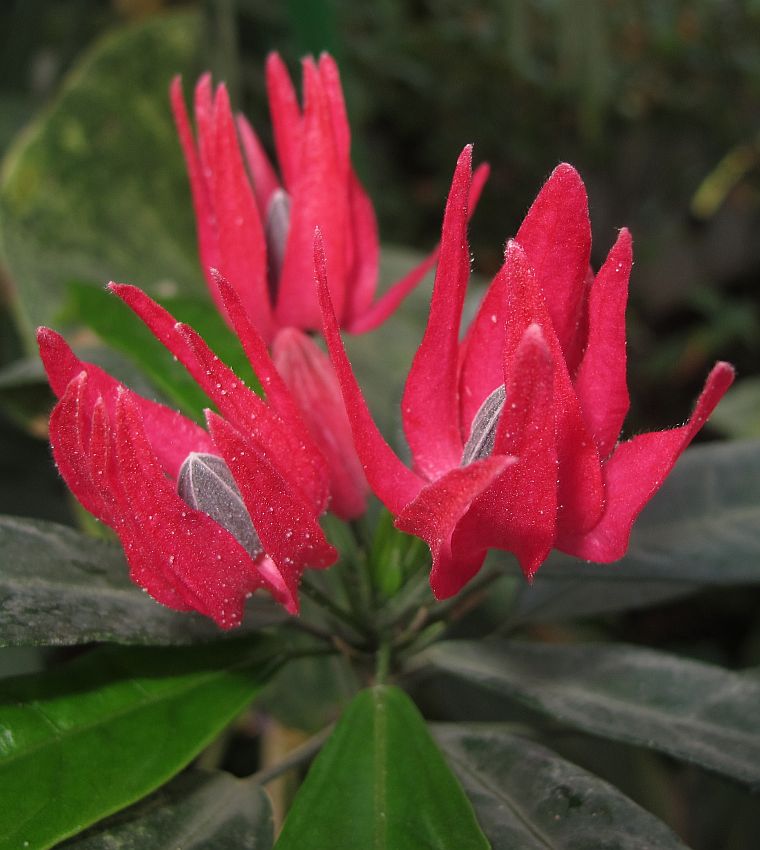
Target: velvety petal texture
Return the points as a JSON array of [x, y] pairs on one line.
[[122, 457], [514, 426], [255, 222]]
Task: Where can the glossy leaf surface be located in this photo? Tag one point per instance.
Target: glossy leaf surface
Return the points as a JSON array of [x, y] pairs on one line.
[[381, 782], [93, 736]]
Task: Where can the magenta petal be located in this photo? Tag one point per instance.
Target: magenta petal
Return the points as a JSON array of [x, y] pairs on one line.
[[601, 380], [237, 402], [556, 236], [330, 76], [438, 508], [482, 362], [210, 570], [636, 471], [523, 502], [581, 491], [308, 373], [242, 246], [430, 406], [172, 435], [319, 199], [287, 525], [263, 176], [394, 483], [363, 261], [286, 118], [69, 438], [205, 220], [518, 512], [288, 447]]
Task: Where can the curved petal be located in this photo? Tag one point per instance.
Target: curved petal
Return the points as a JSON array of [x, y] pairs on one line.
[[286, 118], [287, 525], [430, 405], [556, 236], [263, 176], [171, 434], [435, 513], [242, 245], [636, 471], [581, 491], [319, 199], [290, 444], [308, 373], [166, 540], [481, 353], [601, 380], [394, 483], [205, 219]]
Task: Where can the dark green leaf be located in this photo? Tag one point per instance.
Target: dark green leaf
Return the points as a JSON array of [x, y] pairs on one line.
[[87, 739], [527, 797], [702, 529], [381, 782], [693, 711], [58, 586], [96, 189], [198, 810]]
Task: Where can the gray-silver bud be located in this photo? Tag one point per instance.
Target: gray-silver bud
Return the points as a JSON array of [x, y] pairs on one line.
[[483, 432], [276, 232], [206, 484]]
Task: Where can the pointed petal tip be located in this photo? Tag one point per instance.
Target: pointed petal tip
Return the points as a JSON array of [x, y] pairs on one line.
[[566, 173]]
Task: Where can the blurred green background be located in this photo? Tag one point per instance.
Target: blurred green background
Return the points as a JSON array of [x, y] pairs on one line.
[[656, 102]]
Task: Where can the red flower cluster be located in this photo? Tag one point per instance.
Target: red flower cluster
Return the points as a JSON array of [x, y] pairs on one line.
[[205, 517], [514, 430], [257, 229]]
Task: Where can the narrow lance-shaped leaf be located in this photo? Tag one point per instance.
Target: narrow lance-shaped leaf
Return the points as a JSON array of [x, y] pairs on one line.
[[381, 782], [696, 712], [89, 738], [527, 797]]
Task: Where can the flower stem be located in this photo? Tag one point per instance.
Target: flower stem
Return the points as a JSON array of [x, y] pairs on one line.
[[383, 662], [324, 601]]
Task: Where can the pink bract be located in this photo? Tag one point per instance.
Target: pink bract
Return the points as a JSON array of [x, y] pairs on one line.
[[552, 335]]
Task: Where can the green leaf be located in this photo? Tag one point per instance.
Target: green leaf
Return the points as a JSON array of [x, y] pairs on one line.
[[89, 738], [96, 188], [693, 711], [58, 586], [381, 782], [701, 529], [527, 797], [199, 810]]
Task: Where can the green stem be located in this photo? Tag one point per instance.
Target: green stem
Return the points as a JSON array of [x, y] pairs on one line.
[[383, 662], [300, 754], [324, 601]]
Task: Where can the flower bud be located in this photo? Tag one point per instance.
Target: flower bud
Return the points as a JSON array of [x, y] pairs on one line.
[[483, 432], [206, 484]]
